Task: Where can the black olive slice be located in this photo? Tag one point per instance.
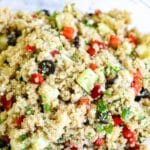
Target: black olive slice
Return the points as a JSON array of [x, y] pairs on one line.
[[11, 39], [143, 94], [46, 67], [76, 42]]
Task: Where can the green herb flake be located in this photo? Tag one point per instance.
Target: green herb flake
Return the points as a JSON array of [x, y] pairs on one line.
[[100, 127], [23, 137], [101, 106], [111, 70], [75, 57], [89, 135], [130, 54], [52, 19], [71, 135], [116, 69], [60, 47], [43, 96], [53, 16], [46, 108], [108, 93], [126, 113], [28, 110], [89, 24], [113, 103], [109, 128], [116, 100], [60, 140], [1, 121]]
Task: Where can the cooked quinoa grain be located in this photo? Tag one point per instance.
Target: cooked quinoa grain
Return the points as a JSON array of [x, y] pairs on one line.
[[74, 81]]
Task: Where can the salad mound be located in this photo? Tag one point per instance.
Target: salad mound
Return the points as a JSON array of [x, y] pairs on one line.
[[74, 81]]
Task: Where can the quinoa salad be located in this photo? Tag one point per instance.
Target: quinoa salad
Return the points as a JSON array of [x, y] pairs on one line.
[[73, 81]]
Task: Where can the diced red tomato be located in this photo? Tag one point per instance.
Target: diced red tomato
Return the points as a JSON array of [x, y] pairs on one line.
[[6, 103], [54, 53], [130, 136], [18, 121], [99, 142], [98, 12], [136, 147], [132, 39], [138, 74], [137, 85], [101, 45], [30, 48], [117, 120], [96, 92], [37, 78], [73, 148], [132, 140], [91, 51], [93, 66], [127, 133], [85, 101], [68, 32], [114, 41], [137, 82]]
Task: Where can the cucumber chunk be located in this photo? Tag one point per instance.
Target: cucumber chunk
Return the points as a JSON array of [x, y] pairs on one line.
[[48, 93], [40, 142], [104, 29], [87, 79]]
